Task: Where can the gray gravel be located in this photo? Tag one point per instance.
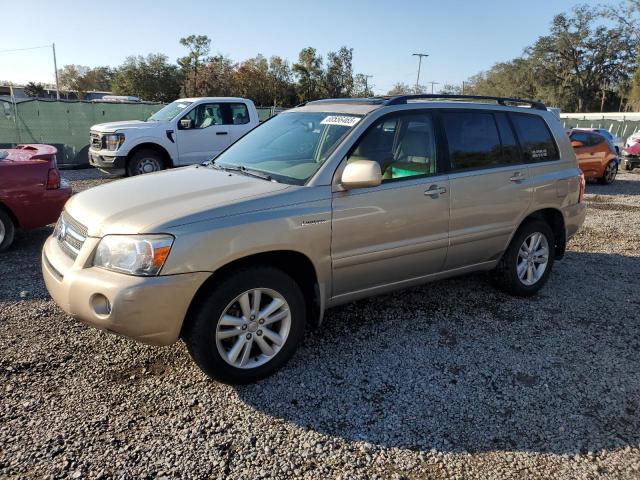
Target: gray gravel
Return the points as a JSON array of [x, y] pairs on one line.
[[449, 380]]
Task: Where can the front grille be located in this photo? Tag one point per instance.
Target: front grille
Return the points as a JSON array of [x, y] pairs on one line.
[[70, 234]]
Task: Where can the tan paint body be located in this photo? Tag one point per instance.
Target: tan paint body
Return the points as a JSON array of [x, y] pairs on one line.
[[360, 241]]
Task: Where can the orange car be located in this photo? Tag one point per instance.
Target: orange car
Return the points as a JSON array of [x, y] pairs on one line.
[[596, 156]]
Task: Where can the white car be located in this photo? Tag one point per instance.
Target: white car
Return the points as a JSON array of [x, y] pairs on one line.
[[187, 131]]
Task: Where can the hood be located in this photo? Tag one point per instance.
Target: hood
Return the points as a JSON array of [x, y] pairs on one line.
[[129, 124], [148, 203]]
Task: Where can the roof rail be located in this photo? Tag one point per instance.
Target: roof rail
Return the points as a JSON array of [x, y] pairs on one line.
[[403, 99], [358, 100]]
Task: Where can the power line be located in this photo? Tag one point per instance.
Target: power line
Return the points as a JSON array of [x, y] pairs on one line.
[[27, 48]]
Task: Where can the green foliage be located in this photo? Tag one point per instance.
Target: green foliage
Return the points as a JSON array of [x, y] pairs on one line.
[[81, 79], [34, 89], [151, 78], [584, 64], [199, 47]]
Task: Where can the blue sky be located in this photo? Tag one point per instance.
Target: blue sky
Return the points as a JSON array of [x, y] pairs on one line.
[[462, 37]]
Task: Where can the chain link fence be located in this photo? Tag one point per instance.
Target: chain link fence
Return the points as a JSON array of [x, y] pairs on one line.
[[66, 124]]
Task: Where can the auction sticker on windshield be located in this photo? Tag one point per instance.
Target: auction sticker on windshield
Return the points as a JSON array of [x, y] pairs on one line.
[[342, 120]]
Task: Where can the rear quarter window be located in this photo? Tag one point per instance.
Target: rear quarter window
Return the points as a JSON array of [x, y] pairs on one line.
[[535, 138]]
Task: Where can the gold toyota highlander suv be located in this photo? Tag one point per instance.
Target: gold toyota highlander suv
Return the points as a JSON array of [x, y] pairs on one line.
[[323, 204]]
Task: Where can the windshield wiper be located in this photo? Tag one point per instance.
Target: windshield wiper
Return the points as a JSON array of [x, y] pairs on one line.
[[241, 169]]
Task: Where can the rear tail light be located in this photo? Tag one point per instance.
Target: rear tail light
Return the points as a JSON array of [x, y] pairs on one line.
[[582, 187], [53, 179]]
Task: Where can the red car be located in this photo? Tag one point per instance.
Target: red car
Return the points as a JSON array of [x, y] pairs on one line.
[[32, 194]]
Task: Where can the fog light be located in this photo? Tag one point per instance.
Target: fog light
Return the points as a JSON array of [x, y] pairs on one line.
[[100, 305]]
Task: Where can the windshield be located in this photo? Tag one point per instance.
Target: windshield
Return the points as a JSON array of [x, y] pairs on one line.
[[169, 112], [290, 147]]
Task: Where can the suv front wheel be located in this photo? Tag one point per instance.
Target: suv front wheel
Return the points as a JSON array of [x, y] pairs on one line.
[[527, 262], [248, 327]]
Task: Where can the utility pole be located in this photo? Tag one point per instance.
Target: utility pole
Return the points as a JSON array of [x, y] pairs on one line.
[[419, 55], [432, 84], [55, 66]]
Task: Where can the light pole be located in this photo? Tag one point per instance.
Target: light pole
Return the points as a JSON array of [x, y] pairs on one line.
[[55, 67], [419, 55], [432, 84], [366, 81]]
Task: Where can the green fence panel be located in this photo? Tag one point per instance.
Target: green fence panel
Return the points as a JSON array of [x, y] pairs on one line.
[[64, 124], [620, 128]]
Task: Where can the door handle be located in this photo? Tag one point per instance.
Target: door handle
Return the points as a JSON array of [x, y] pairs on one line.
[[221, 133], [517, 177], [434, 191]]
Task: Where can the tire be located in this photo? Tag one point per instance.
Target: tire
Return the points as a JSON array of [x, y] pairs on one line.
[[7, 230], [506, 275], [610, 172], [209, 336], [628, 167], [145, 161]]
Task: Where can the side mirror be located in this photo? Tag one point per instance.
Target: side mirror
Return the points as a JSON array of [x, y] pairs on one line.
[[185, 124], [361, 174], [576, 144]]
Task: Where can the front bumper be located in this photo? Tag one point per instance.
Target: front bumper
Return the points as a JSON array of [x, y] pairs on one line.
[[106, 161], [147, 309]]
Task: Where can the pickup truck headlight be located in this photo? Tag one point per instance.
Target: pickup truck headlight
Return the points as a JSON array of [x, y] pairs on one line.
[[114, 140], [133, 254]]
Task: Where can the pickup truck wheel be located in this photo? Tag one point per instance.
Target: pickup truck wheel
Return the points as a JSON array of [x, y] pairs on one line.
[[145, 161], [7, 230], [527, 262], [610, 172], [248, 327]]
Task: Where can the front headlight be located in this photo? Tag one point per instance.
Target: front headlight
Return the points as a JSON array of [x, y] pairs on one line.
[[133, 254], [114, 140]]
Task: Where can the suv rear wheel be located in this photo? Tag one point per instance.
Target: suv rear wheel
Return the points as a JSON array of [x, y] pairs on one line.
[[7, 230], [248, 327], [527, 262], [145, 161]]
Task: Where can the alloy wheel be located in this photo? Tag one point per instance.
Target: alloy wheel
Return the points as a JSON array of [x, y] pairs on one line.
[[610, 172], [533, 258], [253, 328], [3, 232]]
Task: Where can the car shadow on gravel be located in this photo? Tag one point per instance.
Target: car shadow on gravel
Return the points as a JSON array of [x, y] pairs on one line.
[[621, 186], [20, 267], [458, 366]]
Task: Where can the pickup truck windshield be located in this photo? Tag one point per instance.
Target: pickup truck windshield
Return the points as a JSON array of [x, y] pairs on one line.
[[290, 147], [169, 112]]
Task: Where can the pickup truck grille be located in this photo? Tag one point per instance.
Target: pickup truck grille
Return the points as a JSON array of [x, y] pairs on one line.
[[95, 141], [70, 234]]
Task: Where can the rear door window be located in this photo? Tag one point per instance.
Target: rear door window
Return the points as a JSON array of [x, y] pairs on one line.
[[473, 140], [535, 138]]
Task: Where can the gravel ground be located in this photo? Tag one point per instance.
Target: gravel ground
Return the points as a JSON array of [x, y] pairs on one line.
[[449, 380]]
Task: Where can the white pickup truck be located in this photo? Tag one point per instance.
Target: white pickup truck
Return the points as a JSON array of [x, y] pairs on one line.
[[187, 131]]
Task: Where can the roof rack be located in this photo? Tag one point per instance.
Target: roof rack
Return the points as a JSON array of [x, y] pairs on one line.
[[403, 99]]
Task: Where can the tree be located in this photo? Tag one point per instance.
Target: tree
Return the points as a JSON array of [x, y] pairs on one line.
[[252, 80], [450, 89], [199, 47], [32, 89], [584, 64], [81, 79], [401, 88], [217, 77], [361, 86], [308, 71], [150, 78], [338, 77]]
